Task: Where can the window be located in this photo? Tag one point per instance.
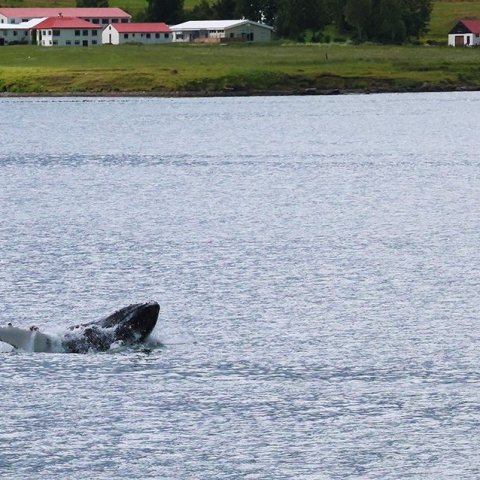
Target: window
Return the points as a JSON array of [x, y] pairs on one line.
[[157, 35], [77, 42], [114, 20], [49, 42], [49, 32], [24, 19], [104, 21], [167, 35], [85, 33], [55, 42], [133, 35], [68, 42], [95, 20], [94, 33], [124, 20], [94, 42], [148, 35], [56, 33], [77, 33], [125, 35], [15, 33], [44, 32]]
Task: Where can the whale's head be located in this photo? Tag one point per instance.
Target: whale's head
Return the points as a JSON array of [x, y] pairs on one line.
[[128, 325], [135, 322]]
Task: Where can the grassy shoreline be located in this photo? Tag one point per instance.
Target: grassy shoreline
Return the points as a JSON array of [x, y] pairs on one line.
[[233, 70]]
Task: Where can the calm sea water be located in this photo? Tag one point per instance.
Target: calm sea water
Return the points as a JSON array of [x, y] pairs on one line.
[[317, 263]]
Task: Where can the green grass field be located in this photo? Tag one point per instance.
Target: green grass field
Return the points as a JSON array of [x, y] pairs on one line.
[[253, 68]]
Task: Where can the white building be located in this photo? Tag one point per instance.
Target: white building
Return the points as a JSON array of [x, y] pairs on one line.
[[465, 33], [221, 31], [18, 33], [102, 16], [65, 31], [149, 33]]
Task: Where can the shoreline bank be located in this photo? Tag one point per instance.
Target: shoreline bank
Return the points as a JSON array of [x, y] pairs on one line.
[[239, 93]]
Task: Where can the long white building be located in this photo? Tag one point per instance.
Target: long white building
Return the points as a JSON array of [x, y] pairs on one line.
[[221, 30], [148, 33]]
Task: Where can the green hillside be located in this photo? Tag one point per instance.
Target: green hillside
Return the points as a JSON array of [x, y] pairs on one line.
[[446, 12]]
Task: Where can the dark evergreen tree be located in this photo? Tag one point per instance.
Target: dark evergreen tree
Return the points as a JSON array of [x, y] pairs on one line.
[[224, 9], [168, 11], [416, 16], [389, 26], [335, 14], [295, 16], [357, 14], [201, 11], [91, 3], [251, 9]]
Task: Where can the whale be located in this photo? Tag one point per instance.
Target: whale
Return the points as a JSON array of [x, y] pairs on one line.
[[128, 326]]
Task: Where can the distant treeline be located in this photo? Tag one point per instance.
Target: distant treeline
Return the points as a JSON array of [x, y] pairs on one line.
[[384, 21]]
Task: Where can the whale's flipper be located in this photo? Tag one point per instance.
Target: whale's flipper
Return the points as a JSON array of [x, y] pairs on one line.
[[28, 340]]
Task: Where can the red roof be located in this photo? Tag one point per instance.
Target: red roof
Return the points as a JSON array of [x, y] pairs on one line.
[[157, 27], [66, 22], [471, 24], [66, 12]]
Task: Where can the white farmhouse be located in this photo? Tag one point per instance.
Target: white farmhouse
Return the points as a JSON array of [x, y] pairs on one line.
[[18, 32], [150, 33], [465, 33], [64, 31], [221, 31], [102, 16]]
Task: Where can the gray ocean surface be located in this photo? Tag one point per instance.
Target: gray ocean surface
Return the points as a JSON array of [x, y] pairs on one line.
[[317, 263]]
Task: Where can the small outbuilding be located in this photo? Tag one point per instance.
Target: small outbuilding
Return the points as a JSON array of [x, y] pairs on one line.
[[465, 33], [221, 31], [66, 31], [149, 33]]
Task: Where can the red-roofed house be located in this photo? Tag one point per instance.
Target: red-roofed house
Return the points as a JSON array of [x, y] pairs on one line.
[[465, 33], [65, 31], [137, 33], [102, 16]]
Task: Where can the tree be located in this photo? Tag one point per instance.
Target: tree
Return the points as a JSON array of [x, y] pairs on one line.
[[224, 9], [201, 11], [417, 16], [389, 25], [251, 9], [168, 11], [293, 17], [92, 3], [357, 14]]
